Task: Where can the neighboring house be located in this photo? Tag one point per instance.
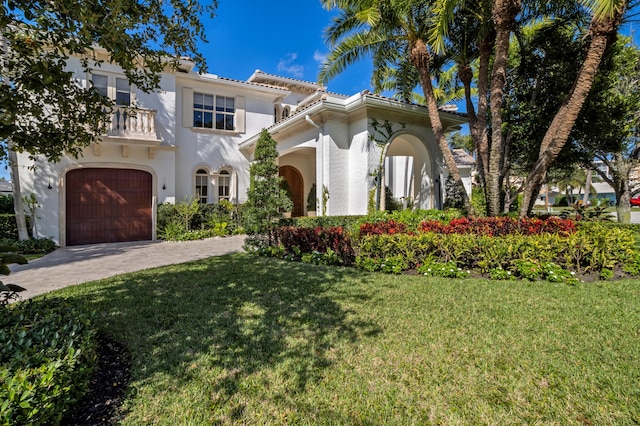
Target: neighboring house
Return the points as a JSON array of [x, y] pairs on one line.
[[195, 137], [6, 188]]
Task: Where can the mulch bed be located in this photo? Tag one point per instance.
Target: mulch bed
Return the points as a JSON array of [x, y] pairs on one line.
[[102, 403]]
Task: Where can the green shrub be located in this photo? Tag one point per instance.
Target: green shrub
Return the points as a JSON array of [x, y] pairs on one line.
[[8, 227], [312, 200], [443, 269], [453, 194], [388, 265], [588, 249], [347, 222], [218, 220], [32, 245], [500, 274], [478, 201], [47, 355], [6, 204], [527, 269]]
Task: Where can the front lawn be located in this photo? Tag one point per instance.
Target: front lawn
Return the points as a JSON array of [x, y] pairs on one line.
[[255, 340]]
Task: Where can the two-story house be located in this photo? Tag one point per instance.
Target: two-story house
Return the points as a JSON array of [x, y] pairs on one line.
[[195, 137]]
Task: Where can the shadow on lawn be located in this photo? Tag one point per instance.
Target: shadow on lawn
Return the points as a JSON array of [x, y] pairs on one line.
[[238, 313]]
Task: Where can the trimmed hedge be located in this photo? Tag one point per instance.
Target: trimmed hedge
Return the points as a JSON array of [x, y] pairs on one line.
[[346, 222], [47, 354], [500, 247], [586, 250], [32, 245]]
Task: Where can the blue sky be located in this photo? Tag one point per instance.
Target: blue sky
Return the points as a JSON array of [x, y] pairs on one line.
[[282, 37]]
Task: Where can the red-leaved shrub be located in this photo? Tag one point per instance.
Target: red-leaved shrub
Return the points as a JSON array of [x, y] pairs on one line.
[[297, 240], [500, 226], [388, 227]]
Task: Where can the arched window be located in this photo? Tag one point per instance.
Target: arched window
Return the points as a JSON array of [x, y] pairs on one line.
[[202, 186], [224, 185], [286, 112]]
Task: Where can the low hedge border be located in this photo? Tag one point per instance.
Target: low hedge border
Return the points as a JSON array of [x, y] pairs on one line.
[[386, 243], [47, 355]]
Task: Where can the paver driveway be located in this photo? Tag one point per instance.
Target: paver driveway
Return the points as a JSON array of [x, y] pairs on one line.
[[77, 264]]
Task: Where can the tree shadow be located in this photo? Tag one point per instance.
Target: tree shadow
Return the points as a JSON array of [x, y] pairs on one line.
[[237, 313]]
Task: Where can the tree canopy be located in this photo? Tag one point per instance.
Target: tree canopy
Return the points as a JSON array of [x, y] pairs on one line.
[[42, 108], [413, 41]]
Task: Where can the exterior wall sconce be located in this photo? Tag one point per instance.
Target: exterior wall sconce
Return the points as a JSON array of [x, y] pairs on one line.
[[164, 186], [49, 186]]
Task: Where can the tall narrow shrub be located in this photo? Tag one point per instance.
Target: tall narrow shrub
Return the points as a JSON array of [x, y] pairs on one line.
[[267, 200]]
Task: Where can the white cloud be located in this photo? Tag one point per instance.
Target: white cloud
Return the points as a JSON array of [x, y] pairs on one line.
[[320, 57], [288, 66]]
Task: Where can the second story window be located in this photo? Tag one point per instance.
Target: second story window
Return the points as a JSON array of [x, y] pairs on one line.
[[225, 112], [203, 110], [101, 84], [123, 92], [208, 111], [115, 88]]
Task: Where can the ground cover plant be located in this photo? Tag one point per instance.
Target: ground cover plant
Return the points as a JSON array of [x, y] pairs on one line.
[[254, 340], [46, 358]]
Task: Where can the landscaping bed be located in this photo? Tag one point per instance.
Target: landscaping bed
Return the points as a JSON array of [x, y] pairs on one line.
[[552, 248]]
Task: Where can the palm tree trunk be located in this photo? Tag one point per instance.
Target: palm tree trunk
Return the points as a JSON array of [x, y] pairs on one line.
[[486, 50], [420, 58], [603, 32], [621, 173], [587, 187], [18, 207], [504, 15]]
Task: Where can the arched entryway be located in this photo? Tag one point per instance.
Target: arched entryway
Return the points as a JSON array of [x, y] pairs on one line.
[[296, 186], [409, 172], [108, 205]]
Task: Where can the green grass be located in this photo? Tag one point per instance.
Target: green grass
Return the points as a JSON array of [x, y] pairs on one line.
[[242, 339]]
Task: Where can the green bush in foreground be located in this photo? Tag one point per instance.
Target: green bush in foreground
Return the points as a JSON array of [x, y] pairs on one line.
[[32, 245], [46, 357]]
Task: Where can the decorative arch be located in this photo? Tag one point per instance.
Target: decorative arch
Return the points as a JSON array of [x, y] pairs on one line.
[[409, 171], [277, 113]]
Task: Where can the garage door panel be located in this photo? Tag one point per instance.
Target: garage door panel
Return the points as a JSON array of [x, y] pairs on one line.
[[108, 205]]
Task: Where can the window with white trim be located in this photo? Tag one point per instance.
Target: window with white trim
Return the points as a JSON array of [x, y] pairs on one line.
[[224, 185], [208, 111], [225, 112], [205, 116], [202, 186], [202, 110], [123, 92], [112, 87], [100, 84]]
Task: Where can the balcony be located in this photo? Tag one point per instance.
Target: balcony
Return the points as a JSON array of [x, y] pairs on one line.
[[134, 124], [131, 127]]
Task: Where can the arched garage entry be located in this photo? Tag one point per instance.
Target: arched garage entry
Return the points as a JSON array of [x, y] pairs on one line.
[[108, 205], [409, 172]]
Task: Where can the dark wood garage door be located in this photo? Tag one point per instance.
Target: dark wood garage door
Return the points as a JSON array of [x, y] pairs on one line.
[[108, 205]]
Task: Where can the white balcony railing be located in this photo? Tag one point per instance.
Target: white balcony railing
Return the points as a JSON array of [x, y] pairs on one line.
[[133, 123]]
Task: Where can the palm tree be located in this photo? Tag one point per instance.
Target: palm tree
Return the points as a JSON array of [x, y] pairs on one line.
[[395, 34], [606, 18]]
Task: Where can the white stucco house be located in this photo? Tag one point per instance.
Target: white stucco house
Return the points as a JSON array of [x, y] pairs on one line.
[[195, 137]]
